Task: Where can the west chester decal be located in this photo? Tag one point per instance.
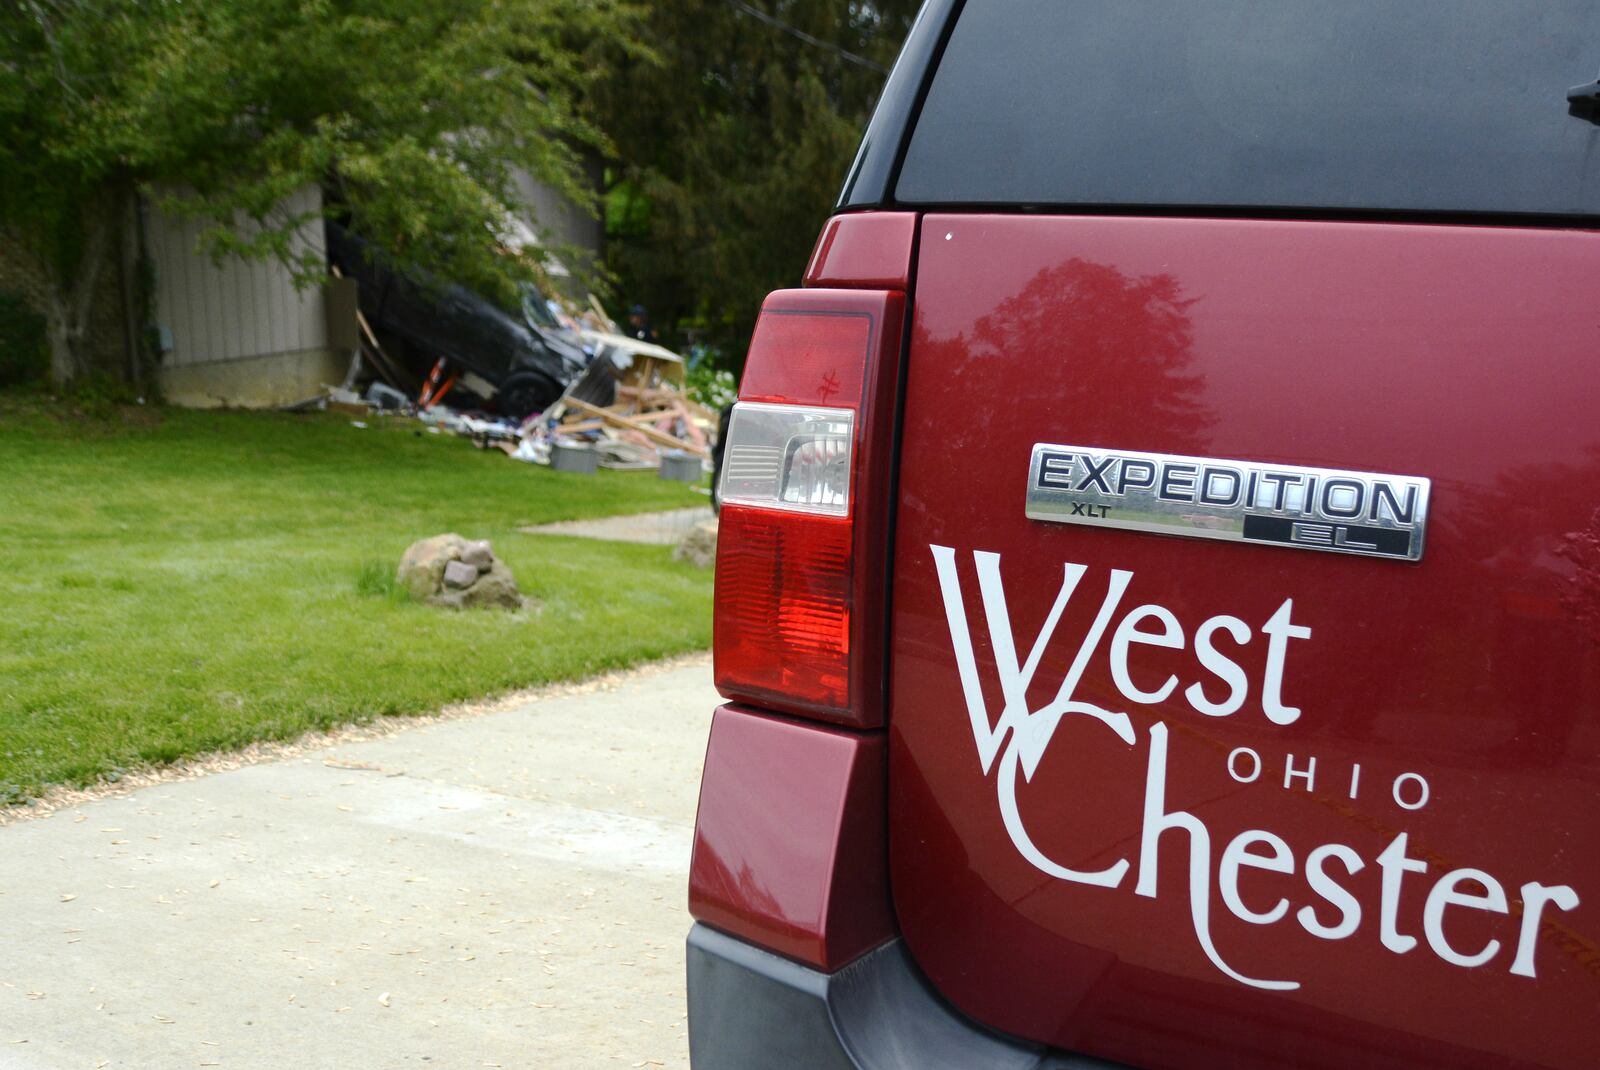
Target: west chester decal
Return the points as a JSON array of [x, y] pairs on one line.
[[1013, 744]]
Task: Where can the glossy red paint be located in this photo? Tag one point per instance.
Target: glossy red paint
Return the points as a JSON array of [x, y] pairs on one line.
[[870, 250], [789, 842], [1464, 354], [846, 352]]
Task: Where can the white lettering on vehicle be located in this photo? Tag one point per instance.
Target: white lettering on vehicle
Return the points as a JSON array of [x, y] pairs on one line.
[[1015, 742]]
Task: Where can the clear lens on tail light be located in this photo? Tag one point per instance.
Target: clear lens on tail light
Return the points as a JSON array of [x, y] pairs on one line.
[[794, 457]]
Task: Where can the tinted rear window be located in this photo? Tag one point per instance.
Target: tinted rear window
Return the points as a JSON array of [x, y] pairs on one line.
[[1423, 105]]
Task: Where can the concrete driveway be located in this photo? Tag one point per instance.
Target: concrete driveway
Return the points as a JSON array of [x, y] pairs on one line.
[[500, 891]]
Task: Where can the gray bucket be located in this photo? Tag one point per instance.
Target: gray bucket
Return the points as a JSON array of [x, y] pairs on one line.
[[565, 458], [680, 465]]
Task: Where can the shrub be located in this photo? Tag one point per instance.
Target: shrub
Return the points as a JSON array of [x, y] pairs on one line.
[[706, 382]]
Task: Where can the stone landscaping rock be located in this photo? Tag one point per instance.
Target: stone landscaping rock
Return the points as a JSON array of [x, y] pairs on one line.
[[422, 566], [478, 555], [495, 589], [699, 547], [460, 575], [454, 573]]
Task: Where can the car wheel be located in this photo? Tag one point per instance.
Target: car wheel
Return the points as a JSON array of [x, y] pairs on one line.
[[526, 393]]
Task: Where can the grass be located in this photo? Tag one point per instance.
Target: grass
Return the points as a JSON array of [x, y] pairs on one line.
[[175, 582]]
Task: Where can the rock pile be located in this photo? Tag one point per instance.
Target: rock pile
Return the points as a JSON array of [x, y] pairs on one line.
[[699, 547], [458, 573]]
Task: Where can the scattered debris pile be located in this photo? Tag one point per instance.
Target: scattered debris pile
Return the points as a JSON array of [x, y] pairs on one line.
[[457, 573], [626, 408], [630, 407]]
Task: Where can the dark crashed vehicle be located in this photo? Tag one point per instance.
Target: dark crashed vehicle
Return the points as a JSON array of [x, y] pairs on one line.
[[517, 363]]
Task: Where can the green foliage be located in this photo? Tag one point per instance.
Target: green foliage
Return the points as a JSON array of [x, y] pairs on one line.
[[417, 112], [199, 580], [24, 355], [706, 381], [734, 140]]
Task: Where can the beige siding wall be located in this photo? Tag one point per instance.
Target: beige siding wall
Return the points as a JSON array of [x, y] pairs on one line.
[[561, 223], [241, 332]]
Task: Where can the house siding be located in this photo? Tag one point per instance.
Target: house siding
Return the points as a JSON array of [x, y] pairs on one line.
[[240, 332]]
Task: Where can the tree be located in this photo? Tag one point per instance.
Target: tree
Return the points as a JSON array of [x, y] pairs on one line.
[[731, 144], [413, 112]]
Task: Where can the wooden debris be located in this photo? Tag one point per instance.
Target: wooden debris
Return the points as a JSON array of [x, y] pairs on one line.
[[631, 405], [642, 424]]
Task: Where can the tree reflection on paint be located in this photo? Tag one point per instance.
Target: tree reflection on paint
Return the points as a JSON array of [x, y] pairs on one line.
[[1124, 343], [1533, 536]]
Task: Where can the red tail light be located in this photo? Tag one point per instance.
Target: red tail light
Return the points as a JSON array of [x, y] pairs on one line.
[[783, 608], [802, 548]]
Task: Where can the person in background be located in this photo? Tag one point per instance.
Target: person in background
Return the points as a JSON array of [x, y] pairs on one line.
[[639, 324]]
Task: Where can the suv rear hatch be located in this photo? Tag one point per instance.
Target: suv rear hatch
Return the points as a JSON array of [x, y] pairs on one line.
[[1193, 801]]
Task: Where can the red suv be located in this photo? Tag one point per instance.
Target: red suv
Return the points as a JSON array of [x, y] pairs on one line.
[[1158, 598]]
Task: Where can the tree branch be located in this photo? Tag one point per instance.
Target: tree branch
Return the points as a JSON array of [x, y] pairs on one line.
[[45, 28]]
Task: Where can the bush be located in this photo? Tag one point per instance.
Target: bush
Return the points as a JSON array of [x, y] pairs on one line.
[[705, 382], [24, 348]]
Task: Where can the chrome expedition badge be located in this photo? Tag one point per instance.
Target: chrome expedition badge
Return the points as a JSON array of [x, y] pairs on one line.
[[1239, 501]]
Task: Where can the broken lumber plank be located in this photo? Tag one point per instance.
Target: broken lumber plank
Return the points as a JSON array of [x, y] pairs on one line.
[[605, 321], [580, 426], [644, 428]]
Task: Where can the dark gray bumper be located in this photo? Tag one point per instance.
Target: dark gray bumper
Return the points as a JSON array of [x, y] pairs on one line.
[[752, 1010]]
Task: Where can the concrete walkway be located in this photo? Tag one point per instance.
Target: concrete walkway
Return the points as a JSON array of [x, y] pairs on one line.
[[662, 528], [501, 891]]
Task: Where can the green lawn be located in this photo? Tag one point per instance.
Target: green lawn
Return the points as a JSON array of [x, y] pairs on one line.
[[175, 582]]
